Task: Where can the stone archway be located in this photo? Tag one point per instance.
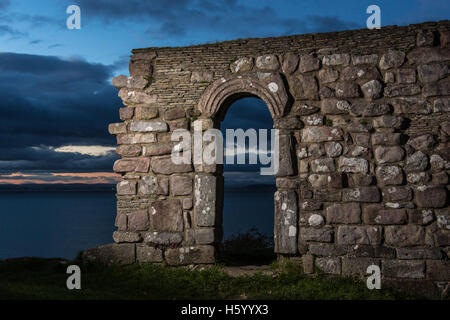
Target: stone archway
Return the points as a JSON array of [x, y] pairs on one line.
[[213, 104], [365, 181]]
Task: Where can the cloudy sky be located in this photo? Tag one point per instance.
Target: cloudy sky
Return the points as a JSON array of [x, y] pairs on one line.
[[56, 97]]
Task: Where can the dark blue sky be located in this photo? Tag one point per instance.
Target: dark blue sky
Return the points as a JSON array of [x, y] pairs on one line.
[[55, 91]]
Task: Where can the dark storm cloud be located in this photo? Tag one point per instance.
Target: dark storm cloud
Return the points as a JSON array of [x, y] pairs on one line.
[[229, 18], [47, 102]]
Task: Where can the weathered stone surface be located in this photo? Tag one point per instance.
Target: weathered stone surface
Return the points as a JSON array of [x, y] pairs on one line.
[[406, 75], [145, 253], [204, 236], [359, 235], [388, 121], [174, 113], [425, 38], [404, 269], [126, 188], [352, 73], [333, 106], [359, 180], [392, 59], [157, 149], [286, 151], [432, 72], [318, 181], [117, 128], [437, 163], [344, 213], [423, 142], [387, 139], [389, 175], [132, 165], [286, 222], [333, 149], [431, 197], [323, 165], [131, 97], [120, 82], [328, 250], [354, 165], [268, 62], [418, 254], [129, 150], [442, 105], [362, 194], [126, 236], [313, 120], [412, 105], [301, 109], [336, 59], [290, 63], [316, 234], [389, 154], [145, 113], [181, 185], [401, 90], [329, 265], [375, 214], [365, 59], [308, 63], [372, 89], [427, 55], [165, 165], [136, 138], [202, 76], [138, 221], [347, 89], [166, 215], [438, 270], [201, 254], [126, 113], [287, 123], [436, 89], [110, 254], [316, 220], [148, 126], [205, 188], [304, 87], [369, 109], [404, 236], [162, 238], [357, 266], [242, 65], [417, 162], [397, 193], [328, 75], [151, 185], [121, 222], [321, 134]]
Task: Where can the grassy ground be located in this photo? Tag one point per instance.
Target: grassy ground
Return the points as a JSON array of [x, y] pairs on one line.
[[33, 278]]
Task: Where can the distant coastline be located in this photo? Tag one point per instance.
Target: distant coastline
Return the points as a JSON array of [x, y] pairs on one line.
[[110, 188], [57, 188]]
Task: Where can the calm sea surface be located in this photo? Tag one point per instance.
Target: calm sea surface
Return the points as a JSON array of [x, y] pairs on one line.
[[59, 224]]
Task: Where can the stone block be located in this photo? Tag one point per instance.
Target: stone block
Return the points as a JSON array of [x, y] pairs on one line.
[[166, 215], [345, 213]]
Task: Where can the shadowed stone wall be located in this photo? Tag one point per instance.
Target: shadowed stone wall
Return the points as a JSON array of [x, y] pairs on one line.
[[364, 141]]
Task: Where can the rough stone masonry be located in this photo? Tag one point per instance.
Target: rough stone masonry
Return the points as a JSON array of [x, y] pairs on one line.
[[364, 147]]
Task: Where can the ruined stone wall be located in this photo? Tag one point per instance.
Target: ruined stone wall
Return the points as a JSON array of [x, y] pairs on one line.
[[364, 123]]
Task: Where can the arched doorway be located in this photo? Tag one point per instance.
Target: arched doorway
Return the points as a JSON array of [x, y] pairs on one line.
[[248, 200], [214, 104]]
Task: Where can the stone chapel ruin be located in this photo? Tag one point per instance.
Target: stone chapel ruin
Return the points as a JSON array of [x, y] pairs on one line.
[[364, 126]]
